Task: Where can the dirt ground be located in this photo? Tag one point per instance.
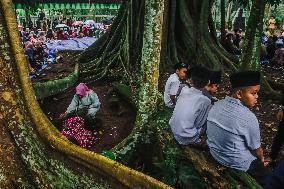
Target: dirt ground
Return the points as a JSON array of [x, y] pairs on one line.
[[57, 71], [110, 127]]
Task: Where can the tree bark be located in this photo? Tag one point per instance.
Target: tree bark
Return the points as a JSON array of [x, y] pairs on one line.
[[50, 159], [149, 77], [251, 47], [131, 47], [223, 21]]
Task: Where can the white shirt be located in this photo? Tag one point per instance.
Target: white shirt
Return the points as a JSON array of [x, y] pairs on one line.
[[190, 115], [171, 88]]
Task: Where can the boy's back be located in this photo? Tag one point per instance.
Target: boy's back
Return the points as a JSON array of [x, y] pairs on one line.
[[189, 116], [233, 132]]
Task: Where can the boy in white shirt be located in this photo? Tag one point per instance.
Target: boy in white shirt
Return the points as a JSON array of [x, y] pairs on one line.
[[190, 113], [173, 83]]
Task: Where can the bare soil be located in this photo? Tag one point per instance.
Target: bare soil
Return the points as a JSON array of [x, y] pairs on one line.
[[112, 123]]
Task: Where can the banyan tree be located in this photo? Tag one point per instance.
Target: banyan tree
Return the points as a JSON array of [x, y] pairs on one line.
[[146, 37]]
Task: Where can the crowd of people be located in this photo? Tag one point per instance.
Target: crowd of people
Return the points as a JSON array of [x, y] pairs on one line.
[[35, 36], [227, 127], [272, 40], [62, 28]]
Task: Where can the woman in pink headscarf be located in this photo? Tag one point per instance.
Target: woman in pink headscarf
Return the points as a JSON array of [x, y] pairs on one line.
[[85, 103]]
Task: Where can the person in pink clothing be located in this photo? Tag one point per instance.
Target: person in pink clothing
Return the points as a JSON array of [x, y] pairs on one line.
[[85, 103]]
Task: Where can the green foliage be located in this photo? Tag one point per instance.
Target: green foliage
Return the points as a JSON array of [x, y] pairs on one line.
[[109, 154], [176, 171], [274, 2], [246, 3], [168, 167], [189, 177]]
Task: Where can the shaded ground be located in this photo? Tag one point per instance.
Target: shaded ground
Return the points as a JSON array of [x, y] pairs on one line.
[[59, 70], [113, 122], [111, 126], [276, 74]]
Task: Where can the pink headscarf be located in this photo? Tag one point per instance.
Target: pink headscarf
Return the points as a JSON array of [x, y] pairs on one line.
[[82, 89]]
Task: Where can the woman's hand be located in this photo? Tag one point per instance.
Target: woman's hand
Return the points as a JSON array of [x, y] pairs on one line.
[[62, 116], [266, 161]]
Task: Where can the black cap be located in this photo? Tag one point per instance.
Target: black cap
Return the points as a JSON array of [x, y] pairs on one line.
[[245, 79], [199, 76], [215, 77], [180, 65]]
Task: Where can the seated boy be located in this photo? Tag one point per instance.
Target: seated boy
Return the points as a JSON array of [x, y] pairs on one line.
[[172, 84], [233, 134], [190, 113], [212, 87]]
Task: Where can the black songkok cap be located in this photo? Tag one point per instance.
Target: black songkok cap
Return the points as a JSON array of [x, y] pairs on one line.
[[180, 65], [215, 77], [245, 79]]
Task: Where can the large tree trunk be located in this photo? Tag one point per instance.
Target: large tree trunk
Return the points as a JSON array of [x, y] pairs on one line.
[[251, 47], [148, 90], [43, 157], [252, 44], [132, 47], [118, 52], [147, 144], [223, 21]]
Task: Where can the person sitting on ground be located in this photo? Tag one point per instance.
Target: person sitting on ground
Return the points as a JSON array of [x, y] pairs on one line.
[[85, 103], [30, 56], [229, 45], [270, 47], [184, 82], [173, 83], [279, 138], [233, 133], [212, 87], [39, 54], [190, 113], [278, 58], [50, 34]]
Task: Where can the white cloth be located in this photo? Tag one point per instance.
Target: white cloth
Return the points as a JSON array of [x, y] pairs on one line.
[[171, 88]]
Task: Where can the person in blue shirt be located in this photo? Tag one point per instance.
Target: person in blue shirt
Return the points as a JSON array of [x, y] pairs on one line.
[[190, 113], [233, 133], [212, 87]]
